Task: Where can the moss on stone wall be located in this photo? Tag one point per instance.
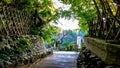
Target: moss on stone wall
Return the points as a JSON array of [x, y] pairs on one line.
[[106, 51], [20, 50]]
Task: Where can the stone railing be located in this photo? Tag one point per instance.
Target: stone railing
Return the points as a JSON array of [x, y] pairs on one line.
[[108, 52]]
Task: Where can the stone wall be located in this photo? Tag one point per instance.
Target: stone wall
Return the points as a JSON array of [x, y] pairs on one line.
[[98, 53], [17, 46], [108, 52], [87, 59], [20, 50]]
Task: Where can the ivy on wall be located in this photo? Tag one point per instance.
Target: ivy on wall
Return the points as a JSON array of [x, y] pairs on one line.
[[12, 51], [42, 13]]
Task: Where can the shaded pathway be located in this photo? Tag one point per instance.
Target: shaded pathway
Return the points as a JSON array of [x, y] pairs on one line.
[[60, 59]]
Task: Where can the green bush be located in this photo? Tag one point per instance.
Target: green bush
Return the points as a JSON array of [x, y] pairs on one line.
[[14, 52], [79, 49], [69, 47]]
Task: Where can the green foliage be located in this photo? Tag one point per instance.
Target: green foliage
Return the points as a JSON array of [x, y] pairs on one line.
[[5, 58], [87, 10], [83, 26], [62, 48], [19, 3], [8, 55], [70, 46], [79, 49], [44, 9], [83, 10], [67, 14], [47, 32], [23, 45]]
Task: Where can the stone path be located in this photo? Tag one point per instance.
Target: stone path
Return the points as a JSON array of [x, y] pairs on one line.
[[59, 59]]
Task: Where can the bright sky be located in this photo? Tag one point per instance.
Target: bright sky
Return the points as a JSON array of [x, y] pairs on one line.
[[63, 23]]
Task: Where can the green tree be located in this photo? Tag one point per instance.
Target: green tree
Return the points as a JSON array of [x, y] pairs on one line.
[[88, 10]]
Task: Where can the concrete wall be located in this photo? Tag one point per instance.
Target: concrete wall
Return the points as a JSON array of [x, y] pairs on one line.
[[108, 52]]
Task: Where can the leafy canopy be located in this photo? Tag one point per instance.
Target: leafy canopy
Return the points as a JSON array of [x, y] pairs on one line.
[[83, 10]]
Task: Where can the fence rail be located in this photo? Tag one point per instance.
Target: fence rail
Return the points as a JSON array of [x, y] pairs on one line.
[[14, 21]]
